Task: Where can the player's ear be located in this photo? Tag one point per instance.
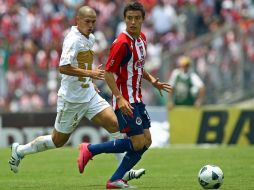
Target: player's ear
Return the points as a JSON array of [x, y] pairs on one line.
[[77, 19]]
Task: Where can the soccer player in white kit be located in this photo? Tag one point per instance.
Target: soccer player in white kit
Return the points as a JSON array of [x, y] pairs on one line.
[[77, 97]]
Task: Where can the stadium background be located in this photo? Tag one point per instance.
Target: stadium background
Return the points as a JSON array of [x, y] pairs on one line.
[[217, 35]]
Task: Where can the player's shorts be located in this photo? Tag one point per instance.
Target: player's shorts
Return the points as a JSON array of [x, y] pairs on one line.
[[134, 125], [69, 114]]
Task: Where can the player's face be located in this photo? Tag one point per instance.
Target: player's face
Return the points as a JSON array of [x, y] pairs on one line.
[[134, 21], [86, 23], [185, 68]]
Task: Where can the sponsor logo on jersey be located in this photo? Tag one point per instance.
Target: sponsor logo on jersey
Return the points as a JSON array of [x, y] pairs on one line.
[[139, 64]]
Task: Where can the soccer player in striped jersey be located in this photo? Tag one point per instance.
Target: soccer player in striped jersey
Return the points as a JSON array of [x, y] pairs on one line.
[[124, 74]]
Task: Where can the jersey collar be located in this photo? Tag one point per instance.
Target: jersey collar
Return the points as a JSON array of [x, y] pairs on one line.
[[126, 33], [88, 40], [75, 29]]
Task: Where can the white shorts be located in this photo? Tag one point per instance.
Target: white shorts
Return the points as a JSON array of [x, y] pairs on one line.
[[69, 114]]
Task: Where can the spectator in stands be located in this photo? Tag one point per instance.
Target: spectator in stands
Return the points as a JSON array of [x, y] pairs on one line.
[[33, 30], [188, 88], [163, 17]]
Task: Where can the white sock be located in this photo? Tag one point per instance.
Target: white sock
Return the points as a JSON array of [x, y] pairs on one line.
[[114, 136], [39, 144]]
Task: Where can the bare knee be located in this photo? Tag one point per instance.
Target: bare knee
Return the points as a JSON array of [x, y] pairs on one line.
[[138, 143], [58, 143], [112, 126], [138, 146], [107, 119], [148, 138], [148, 142], [59, 139]]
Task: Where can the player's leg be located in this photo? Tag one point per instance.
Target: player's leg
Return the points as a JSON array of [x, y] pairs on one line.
[[135, 174], [65, 123], [42, 143], [131, 157], [18, 152], [114, 136], [129, 161], [140, 136], [107, 119], [39, 144], [102, 114], [148, 141]]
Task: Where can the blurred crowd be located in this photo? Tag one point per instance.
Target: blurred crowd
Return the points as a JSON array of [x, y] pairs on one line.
[[32, 32]]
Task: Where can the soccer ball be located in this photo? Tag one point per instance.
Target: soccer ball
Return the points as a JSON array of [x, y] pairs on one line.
[[210, 177]]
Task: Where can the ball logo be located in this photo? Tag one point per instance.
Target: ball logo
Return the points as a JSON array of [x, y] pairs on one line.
[[138, 121], [210, 177]]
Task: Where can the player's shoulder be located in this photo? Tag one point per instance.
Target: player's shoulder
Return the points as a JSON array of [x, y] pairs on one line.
[[194, 75], [121, 38], [120, 41], [75, 38], [176, 71], [72, 37]]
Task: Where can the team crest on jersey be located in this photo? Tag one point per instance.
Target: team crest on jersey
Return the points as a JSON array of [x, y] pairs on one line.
[[139, 64], [138, 121]]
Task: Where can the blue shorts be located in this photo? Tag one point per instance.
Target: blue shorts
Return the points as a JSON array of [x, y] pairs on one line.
[[134, 125]]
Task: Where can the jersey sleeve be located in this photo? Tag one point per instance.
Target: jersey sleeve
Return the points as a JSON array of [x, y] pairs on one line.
[[196, 80], [69, 51], [173, 77], [116, 56]]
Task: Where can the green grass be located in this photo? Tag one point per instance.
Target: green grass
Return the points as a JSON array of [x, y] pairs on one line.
[[173, 168]]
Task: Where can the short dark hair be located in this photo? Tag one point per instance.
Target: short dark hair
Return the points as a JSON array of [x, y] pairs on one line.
[[134, 6]]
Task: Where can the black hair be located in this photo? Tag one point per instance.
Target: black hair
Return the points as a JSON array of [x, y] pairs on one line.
[[134, 6]]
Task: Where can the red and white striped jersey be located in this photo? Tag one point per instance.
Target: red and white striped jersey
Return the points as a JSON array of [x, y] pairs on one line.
[[126, 60]]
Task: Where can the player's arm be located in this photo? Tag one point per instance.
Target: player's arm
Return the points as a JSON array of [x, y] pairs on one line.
[[123, 104], [201, 89], [156, 83], [116, 55], [200, 97], [97, 73], [109, 78], [172, 81], [70, 50]]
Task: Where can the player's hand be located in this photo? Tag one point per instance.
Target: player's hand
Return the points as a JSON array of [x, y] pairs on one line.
[[97, 73], [124, 106], [162, 86], [198, 103], [171, 105]]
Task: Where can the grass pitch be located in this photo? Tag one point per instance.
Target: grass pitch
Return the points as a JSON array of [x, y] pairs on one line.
[[173, 168]]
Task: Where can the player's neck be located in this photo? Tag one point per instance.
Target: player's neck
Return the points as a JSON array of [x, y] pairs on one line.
[[85, 35], [133, 35]]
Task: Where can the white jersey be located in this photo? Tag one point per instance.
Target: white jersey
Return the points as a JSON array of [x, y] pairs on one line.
[[195, 79], [77, 52], [190, 82]]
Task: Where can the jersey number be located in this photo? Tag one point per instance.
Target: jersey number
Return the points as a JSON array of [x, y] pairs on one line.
[[85, 61]]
